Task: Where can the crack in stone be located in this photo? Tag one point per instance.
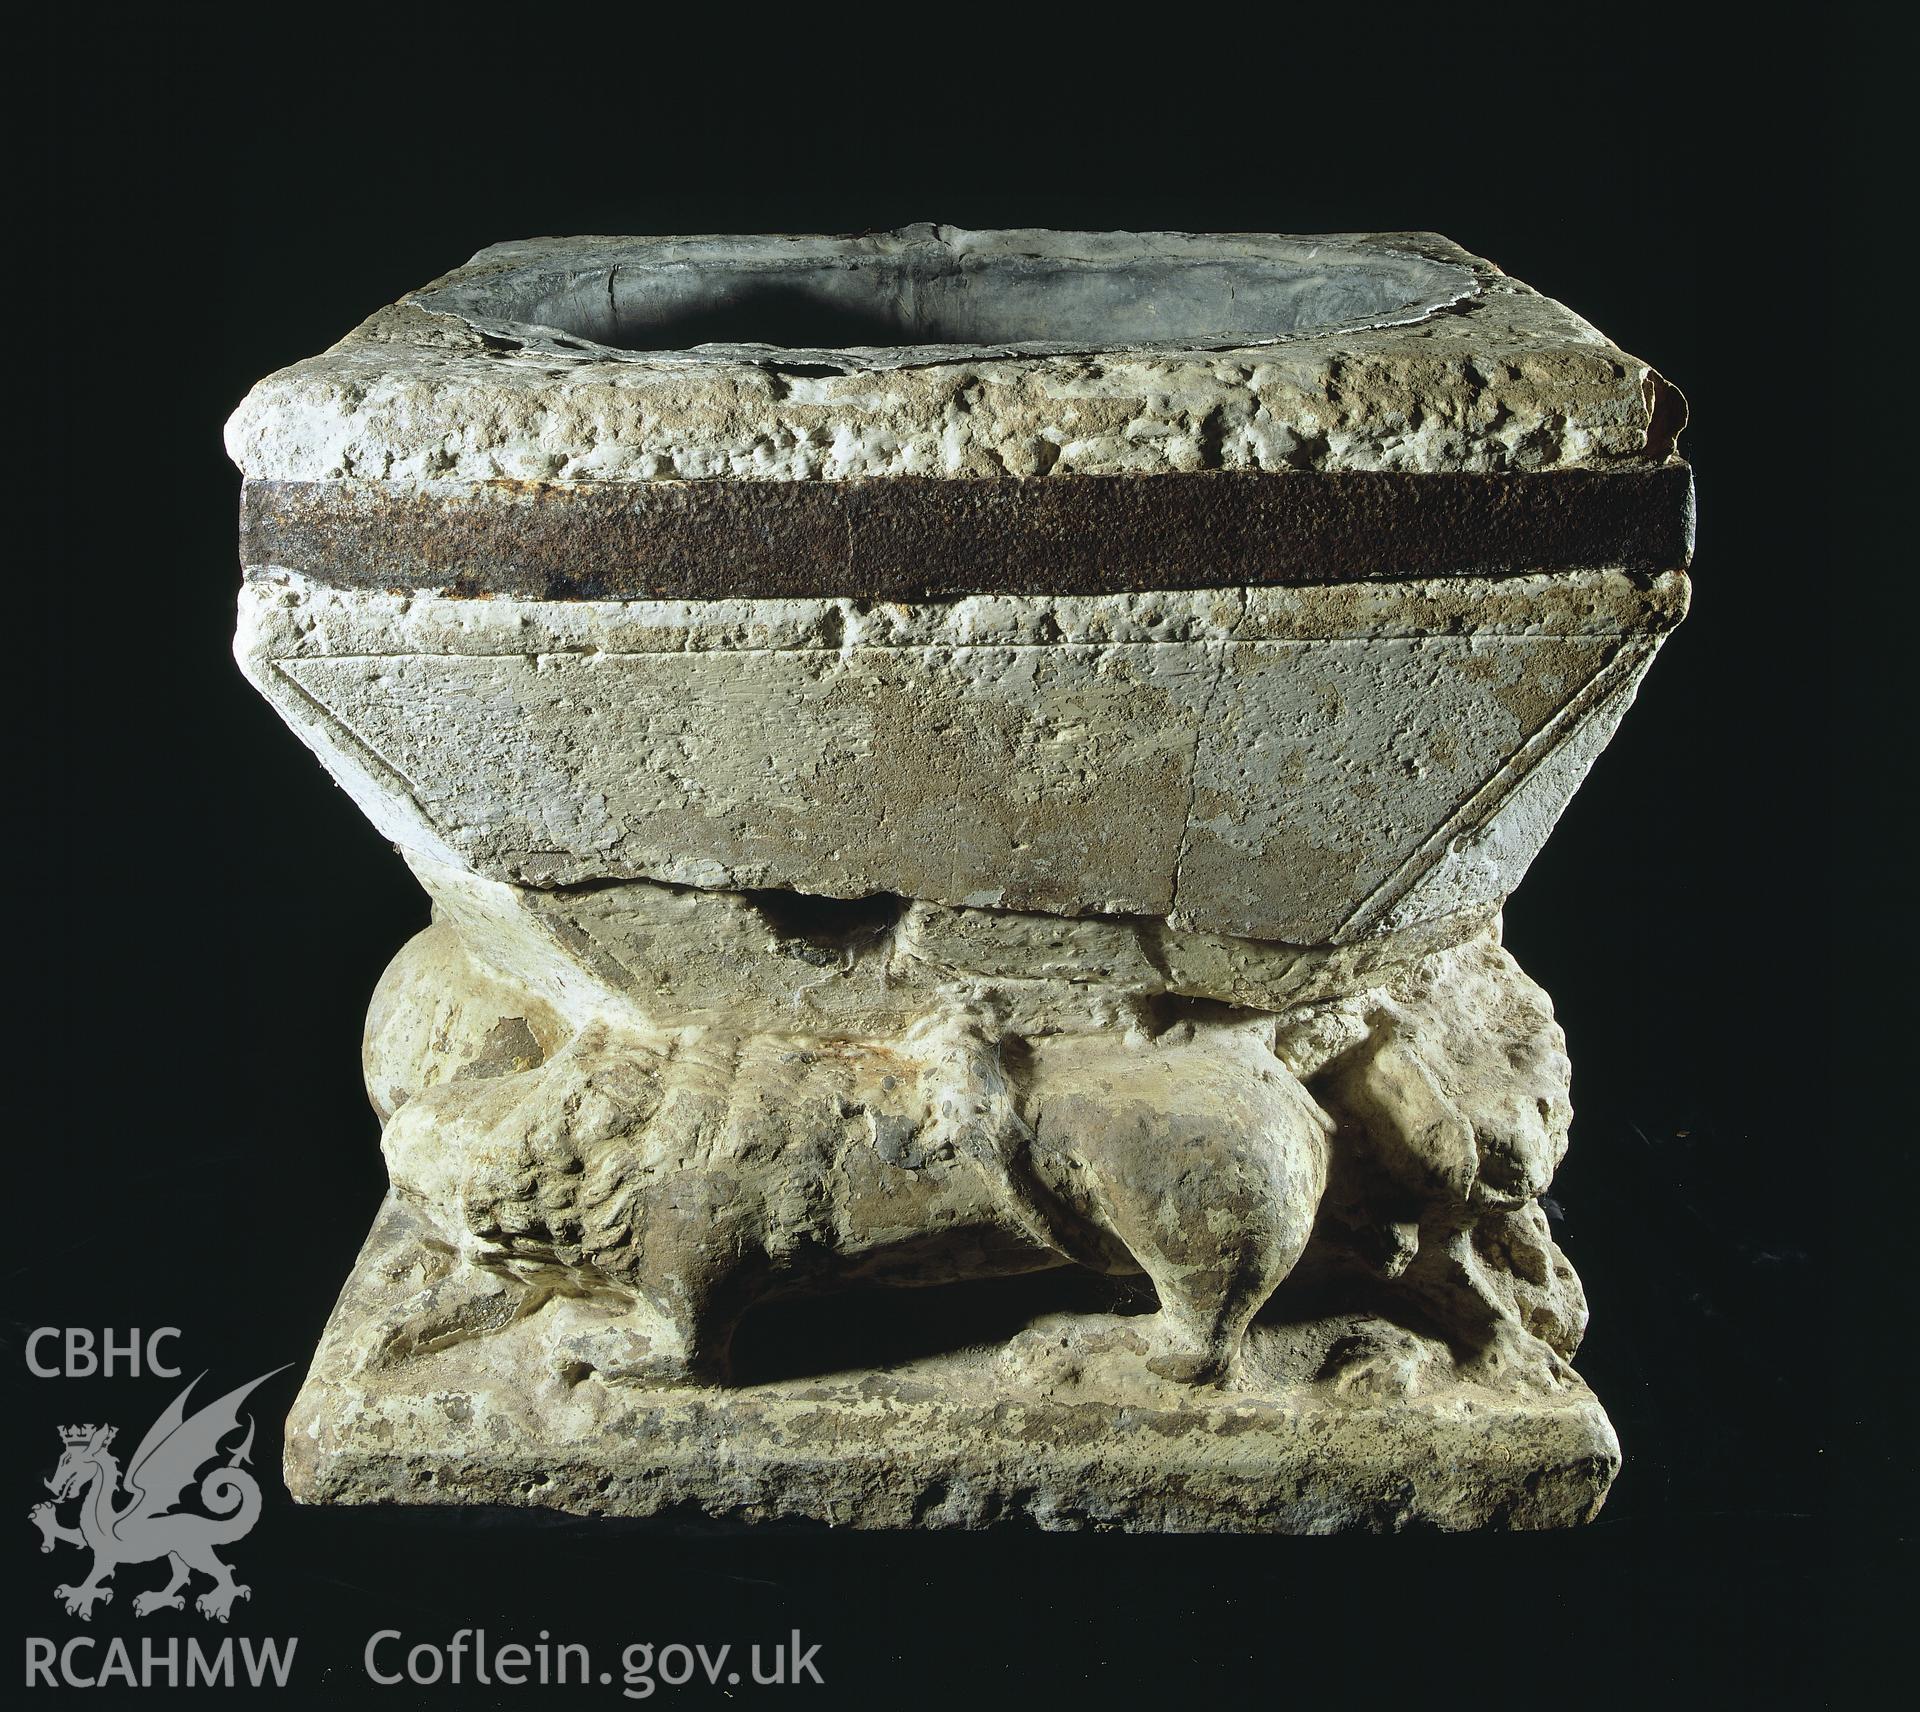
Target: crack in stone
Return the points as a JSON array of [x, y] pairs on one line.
[[1218, 652]]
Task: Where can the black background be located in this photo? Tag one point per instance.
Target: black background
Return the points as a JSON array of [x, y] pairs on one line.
[[205, 913]]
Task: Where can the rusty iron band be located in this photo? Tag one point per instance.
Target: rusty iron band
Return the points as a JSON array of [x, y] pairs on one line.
[[919, 538]]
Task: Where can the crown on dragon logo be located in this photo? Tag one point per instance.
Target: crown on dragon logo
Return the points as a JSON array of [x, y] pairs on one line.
[[84, 1435]]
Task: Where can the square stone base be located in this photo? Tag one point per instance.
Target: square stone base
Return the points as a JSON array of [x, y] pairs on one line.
[[1055, 1428]]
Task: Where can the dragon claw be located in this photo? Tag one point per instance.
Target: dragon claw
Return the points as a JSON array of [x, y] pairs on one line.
[[80, 1600], [217, 1602]]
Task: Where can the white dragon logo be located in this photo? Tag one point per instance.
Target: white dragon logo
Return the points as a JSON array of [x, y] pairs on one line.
[[147, 1525]]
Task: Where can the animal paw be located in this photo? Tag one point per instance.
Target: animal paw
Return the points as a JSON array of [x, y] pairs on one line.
[[621, 1353], [217, 1602], [1513, 1358], [1062, 1352], [1378, 1363], [1183, 1366], [80, 1601], [145, 1604], [42, 1517]]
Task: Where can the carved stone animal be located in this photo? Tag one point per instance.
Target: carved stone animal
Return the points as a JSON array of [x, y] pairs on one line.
[[698, 1176], [1451, 1091]]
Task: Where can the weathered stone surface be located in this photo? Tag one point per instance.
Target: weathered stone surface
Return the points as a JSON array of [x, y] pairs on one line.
[[1307, 765], [521, 1335], [1432, 360], [663, 958], [973, 770], [1358, 1315], [1064, 1428]]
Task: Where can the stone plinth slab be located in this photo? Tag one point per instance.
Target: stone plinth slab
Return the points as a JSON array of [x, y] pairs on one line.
[[953, 1439]]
